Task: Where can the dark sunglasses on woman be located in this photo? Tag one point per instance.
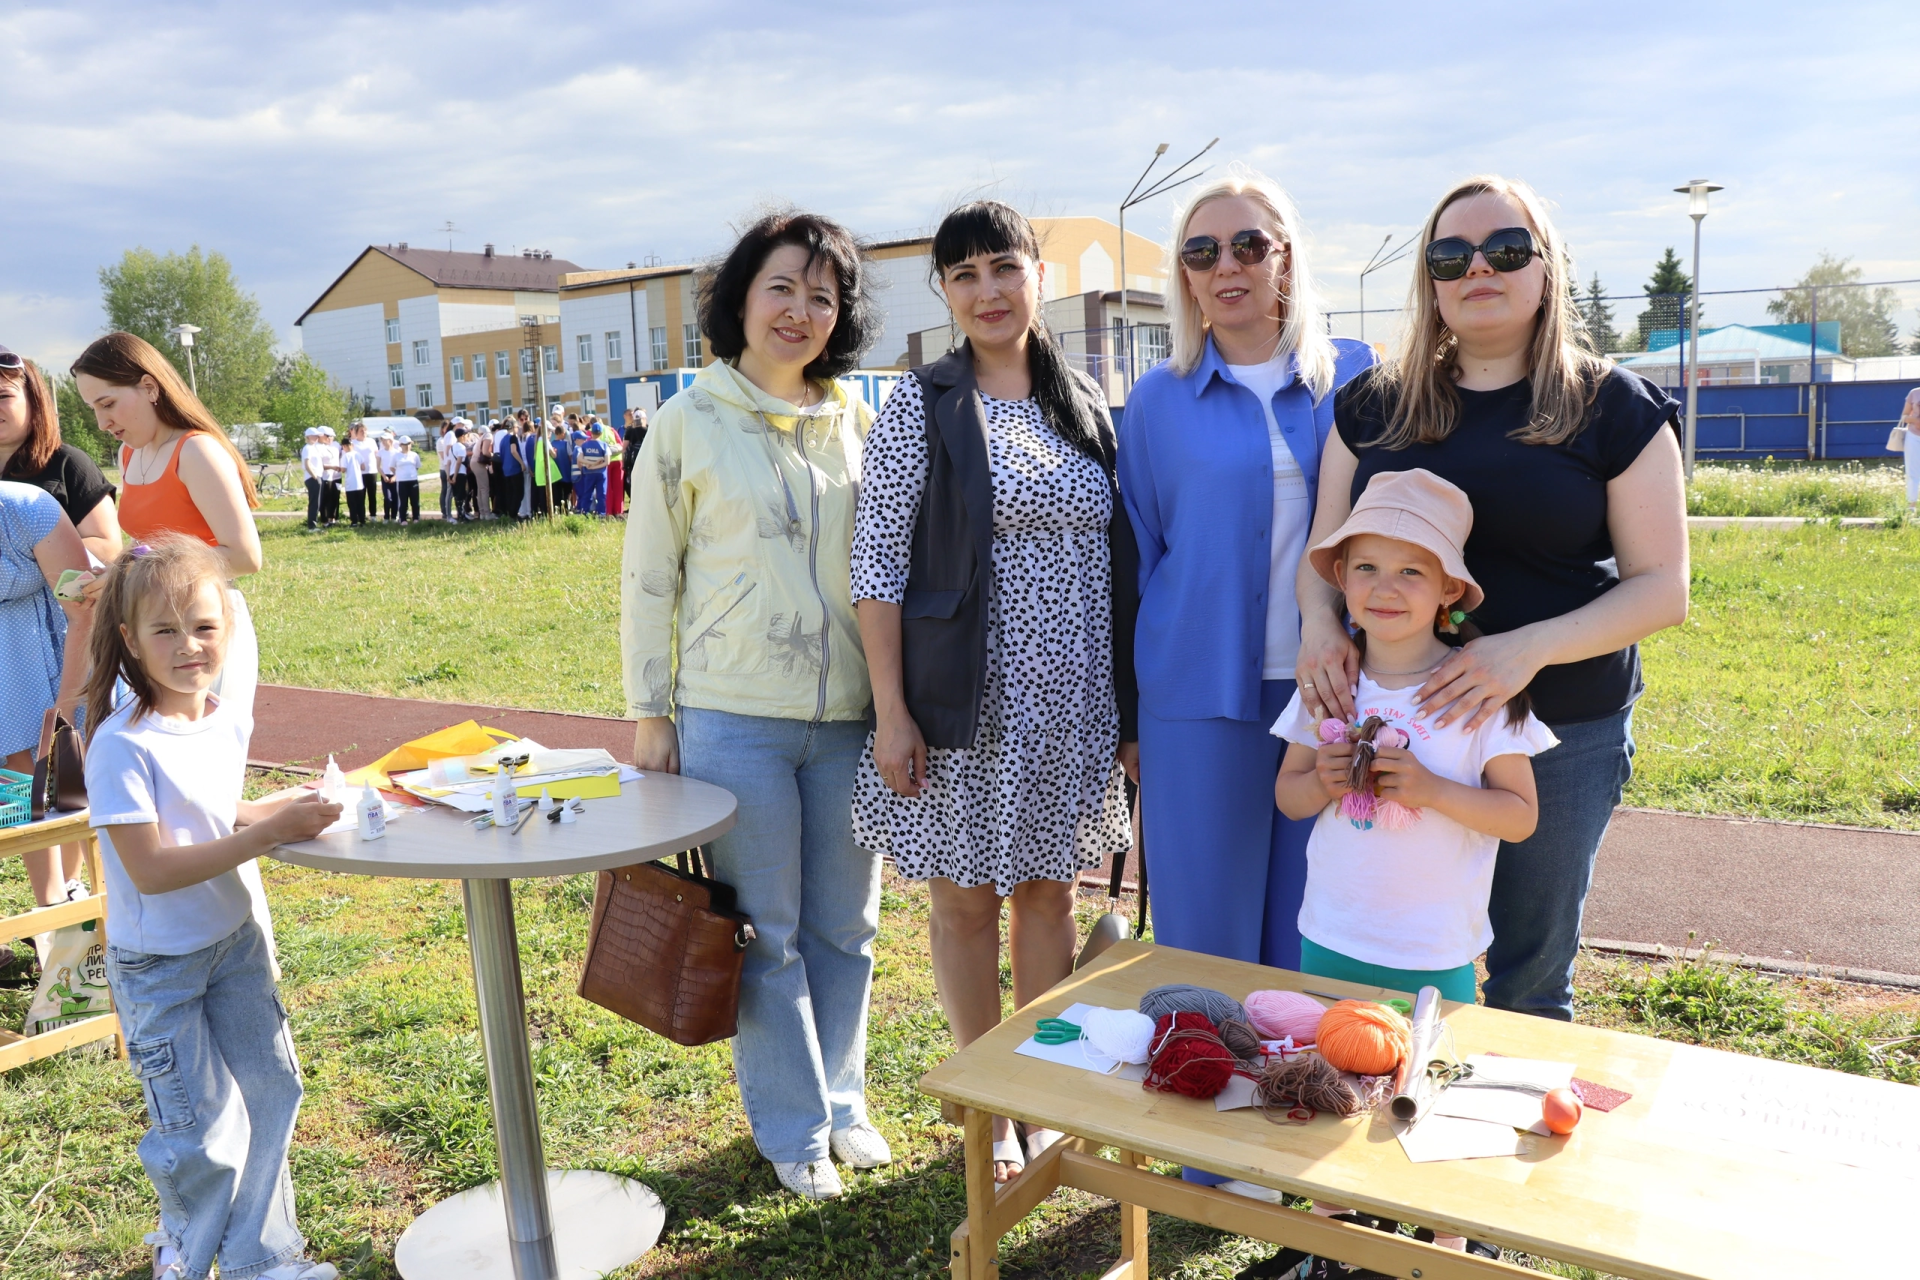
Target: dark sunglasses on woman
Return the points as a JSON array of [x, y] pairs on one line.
[[1202, 253], [1507, 249]]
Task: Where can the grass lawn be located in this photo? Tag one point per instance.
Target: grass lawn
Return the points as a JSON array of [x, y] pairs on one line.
[[1789, 694], [396, 1116], [1771, 488]]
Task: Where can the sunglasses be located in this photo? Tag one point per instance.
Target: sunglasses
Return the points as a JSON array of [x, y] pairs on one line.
[[1250, 247], [1508, 249], [9, 360]]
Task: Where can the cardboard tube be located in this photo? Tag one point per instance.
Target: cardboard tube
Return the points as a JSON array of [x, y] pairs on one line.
[[1412, 1087]]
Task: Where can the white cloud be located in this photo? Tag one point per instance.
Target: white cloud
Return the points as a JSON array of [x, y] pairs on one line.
[[288, 139]]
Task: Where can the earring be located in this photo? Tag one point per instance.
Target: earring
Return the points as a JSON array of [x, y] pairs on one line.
[[1449, 620]]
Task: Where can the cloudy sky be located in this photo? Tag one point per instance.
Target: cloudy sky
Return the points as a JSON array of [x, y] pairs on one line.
[[288, 138]]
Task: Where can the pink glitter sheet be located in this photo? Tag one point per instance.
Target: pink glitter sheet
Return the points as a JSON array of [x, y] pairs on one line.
[[1598, 1096]]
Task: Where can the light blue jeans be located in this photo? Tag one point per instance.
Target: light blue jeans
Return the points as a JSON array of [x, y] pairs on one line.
[[208, 1038], [814, 898]]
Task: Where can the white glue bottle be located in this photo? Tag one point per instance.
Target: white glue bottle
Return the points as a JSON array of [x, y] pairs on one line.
[[333, 784], [373, 814], [505, 800]]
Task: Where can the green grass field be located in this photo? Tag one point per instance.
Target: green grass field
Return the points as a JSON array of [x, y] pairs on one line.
[[1773, 488], [1789, 693]]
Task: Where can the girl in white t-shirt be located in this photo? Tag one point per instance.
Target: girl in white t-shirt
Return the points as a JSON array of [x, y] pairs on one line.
[[1411, 813], [188, 967]]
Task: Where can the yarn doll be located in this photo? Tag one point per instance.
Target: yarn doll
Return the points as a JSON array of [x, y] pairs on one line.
[[1363, 806]]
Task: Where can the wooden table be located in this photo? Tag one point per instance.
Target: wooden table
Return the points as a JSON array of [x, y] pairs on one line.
[[1623, 1194], [577, 1229], [17, 1050]]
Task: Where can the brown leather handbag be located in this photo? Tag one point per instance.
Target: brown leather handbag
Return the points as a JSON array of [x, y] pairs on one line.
[[665, 950], [59, 768]]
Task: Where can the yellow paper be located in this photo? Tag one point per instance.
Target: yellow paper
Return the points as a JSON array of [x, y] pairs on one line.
[[464, 739], [592, 787]]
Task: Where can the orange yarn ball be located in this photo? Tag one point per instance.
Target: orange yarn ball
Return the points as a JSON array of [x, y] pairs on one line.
[[1365, 1038]]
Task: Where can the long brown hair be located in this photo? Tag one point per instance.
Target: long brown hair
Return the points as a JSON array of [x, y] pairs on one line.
[[43, 420], [162, 574], [1423, 406], [122, 359]]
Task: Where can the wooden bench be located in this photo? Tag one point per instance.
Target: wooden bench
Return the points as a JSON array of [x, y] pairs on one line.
[[17, 1050]]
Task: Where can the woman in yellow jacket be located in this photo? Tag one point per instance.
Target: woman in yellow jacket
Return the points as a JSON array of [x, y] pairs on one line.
[[736, 610]]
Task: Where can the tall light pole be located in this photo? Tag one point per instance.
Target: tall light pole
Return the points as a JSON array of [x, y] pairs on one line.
[[1136, 196], [185, 332], [1696, 192], [1375, 263]]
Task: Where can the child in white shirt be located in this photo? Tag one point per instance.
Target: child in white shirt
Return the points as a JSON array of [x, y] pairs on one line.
[[189, 969], [406, 481]]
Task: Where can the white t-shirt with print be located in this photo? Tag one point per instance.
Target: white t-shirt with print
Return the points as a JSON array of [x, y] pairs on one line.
[[1292, 518], [186, 779], [1417, 898]]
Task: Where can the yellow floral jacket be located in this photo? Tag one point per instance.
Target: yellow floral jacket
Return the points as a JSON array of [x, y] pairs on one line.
[[734, 587]]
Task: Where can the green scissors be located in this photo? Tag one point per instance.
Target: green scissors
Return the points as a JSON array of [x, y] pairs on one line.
[[1056, 1031], [1404, 1009]]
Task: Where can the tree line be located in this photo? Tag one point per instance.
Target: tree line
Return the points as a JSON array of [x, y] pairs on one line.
[[1865, 315], [240, 379]]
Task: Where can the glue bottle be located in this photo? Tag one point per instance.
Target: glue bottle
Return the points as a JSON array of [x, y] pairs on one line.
[[333, 784], [505, 800], [373, 814]]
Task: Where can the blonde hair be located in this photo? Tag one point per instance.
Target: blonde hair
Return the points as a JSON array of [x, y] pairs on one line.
[[1418, 380], [162, 574], [1302, 328]]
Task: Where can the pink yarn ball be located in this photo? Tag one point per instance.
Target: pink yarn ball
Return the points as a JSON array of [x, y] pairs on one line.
[[1279, 1014]]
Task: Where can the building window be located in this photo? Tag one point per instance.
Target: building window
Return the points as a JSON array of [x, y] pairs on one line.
[[550, 359], [459, 368], [423, 395], [583, 350], [588, 404], [420, 352], [500, 363], [479, 366], [506, 408], [613, 345], [393, 330], [659, 339], [690, 342], [396, 375], [1152, 345], [526, 362]]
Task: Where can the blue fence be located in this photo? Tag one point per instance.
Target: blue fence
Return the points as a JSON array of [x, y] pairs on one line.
[[1848, 419]]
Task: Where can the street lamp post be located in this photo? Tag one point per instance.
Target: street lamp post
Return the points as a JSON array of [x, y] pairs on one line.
[[185, 332], [1696, 192], [1375, 263], [1136, 196]]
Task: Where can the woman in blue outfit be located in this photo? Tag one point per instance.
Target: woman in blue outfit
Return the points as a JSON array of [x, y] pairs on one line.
[[1219, 459]]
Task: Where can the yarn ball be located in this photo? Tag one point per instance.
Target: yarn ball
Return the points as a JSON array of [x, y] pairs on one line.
[[1279, 1014], [1365, 1038], [1180, 997], [1242, 1041], [1188, 1057], [1119, 1035], [1309, 1082]]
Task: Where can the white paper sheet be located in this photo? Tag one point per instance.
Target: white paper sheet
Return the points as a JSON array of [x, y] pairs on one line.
[[1074, 1053], [1516, 1108], [1780, 1106], [1438, 1137], [472, 797]]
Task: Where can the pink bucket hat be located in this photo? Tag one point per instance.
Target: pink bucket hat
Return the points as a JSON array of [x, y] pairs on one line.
[[1410, 506]]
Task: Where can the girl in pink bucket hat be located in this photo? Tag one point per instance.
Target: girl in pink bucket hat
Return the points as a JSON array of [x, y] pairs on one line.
[[1409, 814]]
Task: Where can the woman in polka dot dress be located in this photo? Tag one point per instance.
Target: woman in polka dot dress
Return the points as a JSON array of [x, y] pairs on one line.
[[994, 571]]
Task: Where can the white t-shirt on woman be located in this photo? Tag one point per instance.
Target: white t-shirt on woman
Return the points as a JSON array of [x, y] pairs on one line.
[[1292, 518]]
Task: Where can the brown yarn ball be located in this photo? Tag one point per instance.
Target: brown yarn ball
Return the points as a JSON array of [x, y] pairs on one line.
[[1365, 1038], [1241, 1039], [1308, 1081]]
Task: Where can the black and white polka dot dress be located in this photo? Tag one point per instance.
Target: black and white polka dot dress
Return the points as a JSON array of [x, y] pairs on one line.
[[1039, 795]]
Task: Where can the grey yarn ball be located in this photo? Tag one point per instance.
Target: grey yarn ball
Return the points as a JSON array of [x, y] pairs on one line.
[[1181, 997]]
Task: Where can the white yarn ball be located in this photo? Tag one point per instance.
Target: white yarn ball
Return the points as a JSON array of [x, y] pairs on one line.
[[1121, 1035]]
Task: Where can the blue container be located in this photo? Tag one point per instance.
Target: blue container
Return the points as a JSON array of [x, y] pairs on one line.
[[16, 799]]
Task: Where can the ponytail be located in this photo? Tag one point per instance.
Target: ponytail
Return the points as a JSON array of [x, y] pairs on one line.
[[1062, 400]]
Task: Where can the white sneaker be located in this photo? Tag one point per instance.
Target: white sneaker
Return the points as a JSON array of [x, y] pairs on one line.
[[815, 1180], [860, 1146], [302, 1269], [75, 889], [166, 1258], [1252, 1191]]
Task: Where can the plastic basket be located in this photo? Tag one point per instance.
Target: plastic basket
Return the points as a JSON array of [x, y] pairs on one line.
[[16, 799]]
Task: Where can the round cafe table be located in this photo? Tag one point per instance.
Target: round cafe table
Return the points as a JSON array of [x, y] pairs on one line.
[[545, 1225]]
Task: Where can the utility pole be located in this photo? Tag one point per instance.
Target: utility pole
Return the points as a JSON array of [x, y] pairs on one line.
[[1375, 263], [185, 332], [1696, 192], [1133, 197]]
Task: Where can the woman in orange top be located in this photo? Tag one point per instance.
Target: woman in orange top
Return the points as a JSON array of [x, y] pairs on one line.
[[179, 473]]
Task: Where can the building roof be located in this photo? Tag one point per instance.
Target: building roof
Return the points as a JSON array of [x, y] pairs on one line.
[[1775, 342], [621, 275], [452, 270]]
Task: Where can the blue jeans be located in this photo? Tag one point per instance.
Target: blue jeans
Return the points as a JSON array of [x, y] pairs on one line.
[[814, 898], [1540, 884], [208, 1037], [590, 487]]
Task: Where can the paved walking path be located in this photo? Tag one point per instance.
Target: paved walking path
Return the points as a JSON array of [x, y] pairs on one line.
[[1842, 897]]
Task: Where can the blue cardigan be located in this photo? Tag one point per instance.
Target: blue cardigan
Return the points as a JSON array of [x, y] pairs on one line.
[[1196, 473]]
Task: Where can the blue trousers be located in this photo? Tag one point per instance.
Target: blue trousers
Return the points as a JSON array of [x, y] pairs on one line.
[[590, 488], [1540, 884], [814, 899], [1225, 868]]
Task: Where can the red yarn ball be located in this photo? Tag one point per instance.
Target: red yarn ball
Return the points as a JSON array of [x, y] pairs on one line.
[[1188, 1057]]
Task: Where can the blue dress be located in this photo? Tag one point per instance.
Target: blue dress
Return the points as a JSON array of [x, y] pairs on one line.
[[33, 628]]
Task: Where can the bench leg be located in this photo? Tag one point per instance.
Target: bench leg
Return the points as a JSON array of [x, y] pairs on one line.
[[982, 1249], [1133, 1232]]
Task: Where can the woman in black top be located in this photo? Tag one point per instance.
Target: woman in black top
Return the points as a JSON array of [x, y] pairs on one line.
[[1579, 539], [32, 452]]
